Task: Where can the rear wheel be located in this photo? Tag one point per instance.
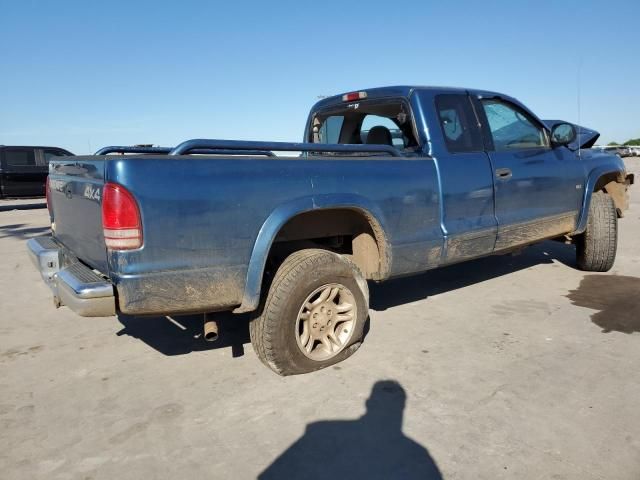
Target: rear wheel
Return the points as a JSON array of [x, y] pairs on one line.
[[314, 314], [596, 247]]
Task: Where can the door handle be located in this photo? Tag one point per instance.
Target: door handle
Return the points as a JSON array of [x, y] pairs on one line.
[[503, 173]]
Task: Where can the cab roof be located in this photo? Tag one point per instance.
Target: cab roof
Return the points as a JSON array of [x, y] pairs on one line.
[[399, 91]]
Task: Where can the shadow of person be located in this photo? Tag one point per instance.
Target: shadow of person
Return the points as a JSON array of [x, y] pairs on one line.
[[372, 446]]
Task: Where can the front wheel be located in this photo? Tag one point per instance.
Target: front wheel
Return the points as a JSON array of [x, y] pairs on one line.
[[596, 247], [314, 314]]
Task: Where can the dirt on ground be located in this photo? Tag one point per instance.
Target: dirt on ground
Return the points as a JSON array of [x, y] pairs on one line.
[[505, 367]]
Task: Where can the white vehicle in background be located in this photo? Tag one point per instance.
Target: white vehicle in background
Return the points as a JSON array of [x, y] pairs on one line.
[[620, 150]]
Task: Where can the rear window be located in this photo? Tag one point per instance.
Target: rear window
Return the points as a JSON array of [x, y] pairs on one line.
[[385, 122], [19, 157], [371, 121]]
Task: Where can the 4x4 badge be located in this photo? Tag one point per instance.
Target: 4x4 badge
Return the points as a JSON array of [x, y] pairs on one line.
[[92, 193]]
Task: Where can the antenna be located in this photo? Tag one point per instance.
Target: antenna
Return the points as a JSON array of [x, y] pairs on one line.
[[579, 103]]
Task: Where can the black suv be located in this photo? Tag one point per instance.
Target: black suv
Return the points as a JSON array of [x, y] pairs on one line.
[[23, 170]]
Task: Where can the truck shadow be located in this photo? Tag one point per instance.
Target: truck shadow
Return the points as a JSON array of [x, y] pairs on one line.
[[181, 335], [419, 287]]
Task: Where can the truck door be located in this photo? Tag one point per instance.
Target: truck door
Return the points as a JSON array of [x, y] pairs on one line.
[[23, 177], [468, 217], [537, 188]]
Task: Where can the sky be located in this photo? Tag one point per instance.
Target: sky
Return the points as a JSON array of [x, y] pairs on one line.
[[85, 74]]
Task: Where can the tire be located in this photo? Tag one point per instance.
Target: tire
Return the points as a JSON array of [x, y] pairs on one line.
[[596, 247], [303, 280]]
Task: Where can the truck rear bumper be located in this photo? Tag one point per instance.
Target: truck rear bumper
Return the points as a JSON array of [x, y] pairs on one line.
[[73, 284]]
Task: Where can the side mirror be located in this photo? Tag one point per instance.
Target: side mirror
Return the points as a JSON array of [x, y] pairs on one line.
[[562, 134]]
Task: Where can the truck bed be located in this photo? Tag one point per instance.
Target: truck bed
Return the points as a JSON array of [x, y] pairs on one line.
[[202, 215]]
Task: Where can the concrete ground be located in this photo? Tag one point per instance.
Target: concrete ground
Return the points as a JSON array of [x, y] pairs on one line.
[[505, 367]]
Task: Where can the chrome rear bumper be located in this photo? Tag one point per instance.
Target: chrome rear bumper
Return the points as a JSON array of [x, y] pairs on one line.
[[73, 284]]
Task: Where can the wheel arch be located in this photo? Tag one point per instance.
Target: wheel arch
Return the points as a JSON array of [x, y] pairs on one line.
[[612, 181], [288, 212]]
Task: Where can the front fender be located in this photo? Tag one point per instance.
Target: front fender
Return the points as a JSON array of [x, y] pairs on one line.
[[592, 181], [279, 217]]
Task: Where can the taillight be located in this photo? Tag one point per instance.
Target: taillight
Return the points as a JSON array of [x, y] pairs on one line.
[[120, 218]]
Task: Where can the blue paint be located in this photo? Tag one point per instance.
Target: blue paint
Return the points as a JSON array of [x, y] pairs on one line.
[[216, 217]]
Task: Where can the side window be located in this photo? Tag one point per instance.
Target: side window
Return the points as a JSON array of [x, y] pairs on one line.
[[458, 122], [512, 128], [330, 130], [21, 157], [397, 137]]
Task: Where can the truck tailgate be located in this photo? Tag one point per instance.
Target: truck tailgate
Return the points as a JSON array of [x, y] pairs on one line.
[[75, 190]]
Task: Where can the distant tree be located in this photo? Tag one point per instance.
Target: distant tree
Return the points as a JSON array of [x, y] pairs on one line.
[[633, 141], [612, 144]]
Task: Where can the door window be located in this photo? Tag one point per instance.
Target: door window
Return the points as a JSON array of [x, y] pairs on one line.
[[20, 157], [458, 123], [512, 128]]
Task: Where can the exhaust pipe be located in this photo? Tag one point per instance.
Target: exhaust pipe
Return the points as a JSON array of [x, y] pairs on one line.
[[210, 328]]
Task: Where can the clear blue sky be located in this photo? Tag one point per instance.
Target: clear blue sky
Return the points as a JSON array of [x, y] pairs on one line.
[[85, 74]]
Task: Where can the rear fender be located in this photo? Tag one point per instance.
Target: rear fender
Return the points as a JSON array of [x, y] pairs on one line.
[[281, 215]]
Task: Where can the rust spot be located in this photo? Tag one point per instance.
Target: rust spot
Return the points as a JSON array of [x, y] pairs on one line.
[[616, 299]]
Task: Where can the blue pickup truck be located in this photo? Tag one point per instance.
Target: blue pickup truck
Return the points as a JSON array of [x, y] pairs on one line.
[[387, 182]]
